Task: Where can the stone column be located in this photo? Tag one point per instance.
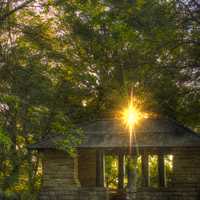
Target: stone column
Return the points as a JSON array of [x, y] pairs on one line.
[[161, 170], [186, 173], [186, 170], [132, 172], [87, 167], [121, 171], [100, 168], [132, 177], [60, 176], [145, 170], [91, 173]]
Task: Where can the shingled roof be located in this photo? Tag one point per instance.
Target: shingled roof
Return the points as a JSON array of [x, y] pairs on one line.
[[110, 133]]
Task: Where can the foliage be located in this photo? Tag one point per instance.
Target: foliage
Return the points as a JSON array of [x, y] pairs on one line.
[[111, 171], [140, 45]]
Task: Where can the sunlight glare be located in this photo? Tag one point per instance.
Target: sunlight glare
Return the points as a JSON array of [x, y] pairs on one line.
[[131, 116]]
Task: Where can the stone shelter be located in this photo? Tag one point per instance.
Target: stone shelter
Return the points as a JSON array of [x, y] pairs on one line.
[[82, 177]]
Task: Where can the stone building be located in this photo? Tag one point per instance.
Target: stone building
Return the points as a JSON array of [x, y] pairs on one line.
[[82, 177]]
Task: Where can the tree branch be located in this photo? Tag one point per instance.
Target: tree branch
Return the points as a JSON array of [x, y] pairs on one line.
[[21, 6], [193, 17]]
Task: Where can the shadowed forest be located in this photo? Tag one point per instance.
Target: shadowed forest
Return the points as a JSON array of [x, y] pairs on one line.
[[64, 62]]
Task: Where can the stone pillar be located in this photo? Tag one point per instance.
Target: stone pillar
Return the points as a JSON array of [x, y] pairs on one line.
[[186, 170], [100, 168], [132, 177], [161, 170], [60, 176], [132, 172], [121, 171], [145, 170], [89, 159], [87, 167]]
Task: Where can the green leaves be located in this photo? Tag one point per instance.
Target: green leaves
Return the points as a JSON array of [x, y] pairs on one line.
[[138, 46], [4, 139]]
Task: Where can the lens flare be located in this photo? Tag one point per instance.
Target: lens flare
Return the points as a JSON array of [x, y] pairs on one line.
[[131, 116]]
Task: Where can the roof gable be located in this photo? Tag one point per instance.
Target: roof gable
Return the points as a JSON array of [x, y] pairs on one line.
[[109, 133]]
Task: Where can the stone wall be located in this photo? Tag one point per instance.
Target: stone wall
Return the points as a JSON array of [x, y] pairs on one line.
[[93, 193], [187, 168], [60, 176], [168, 194], [87, 167]]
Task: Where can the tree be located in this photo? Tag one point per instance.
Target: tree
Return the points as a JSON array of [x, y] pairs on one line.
[[7, 11], [144, 45], [37, 95]]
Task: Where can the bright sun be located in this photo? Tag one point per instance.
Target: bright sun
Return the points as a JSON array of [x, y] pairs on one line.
[[131, 116]]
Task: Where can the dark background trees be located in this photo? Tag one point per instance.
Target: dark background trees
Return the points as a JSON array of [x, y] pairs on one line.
[[64, 62]]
